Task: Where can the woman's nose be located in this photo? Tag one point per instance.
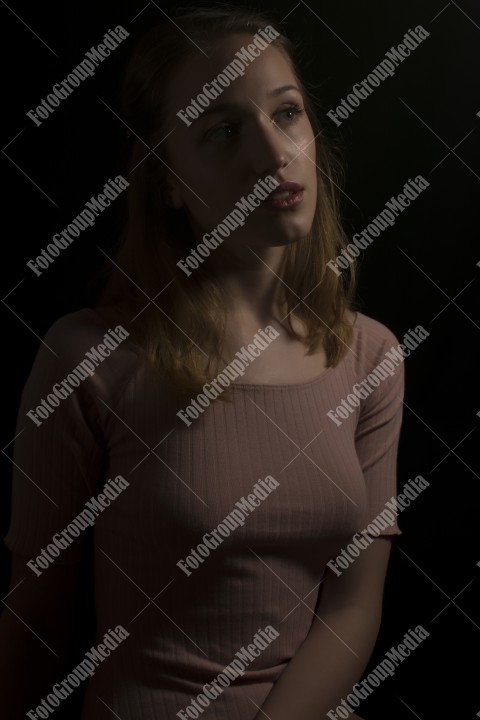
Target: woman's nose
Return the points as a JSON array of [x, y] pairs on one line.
[[270, 148]]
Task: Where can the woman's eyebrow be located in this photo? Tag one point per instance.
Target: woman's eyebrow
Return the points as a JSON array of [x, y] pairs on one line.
[[282, 89], [221, 106]]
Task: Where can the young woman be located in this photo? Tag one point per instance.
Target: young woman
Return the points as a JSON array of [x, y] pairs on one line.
[[202, 405]]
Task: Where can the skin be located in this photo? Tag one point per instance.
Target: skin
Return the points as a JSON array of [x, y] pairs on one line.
[[221, 173], [223, 154], [219, 158]]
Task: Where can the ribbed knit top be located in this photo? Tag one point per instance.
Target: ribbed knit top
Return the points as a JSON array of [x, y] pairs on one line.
[[187, 625]]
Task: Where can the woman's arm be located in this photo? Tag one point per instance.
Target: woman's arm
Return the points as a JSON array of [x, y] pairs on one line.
[[336, 651], [36, 629]]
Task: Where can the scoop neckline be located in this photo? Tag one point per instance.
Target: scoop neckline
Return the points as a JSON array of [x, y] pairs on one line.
[[287, 386], [284, 386], [275, 386]]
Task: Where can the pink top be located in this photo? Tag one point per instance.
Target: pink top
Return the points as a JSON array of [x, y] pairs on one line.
[[183, 482]]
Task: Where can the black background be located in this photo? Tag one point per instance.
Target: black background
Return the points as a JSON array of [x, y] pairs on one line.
[[424, 270]]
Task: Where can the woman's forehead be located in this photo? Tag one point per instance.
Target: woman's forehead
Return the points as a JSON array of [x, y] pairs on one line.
[[265, 74]]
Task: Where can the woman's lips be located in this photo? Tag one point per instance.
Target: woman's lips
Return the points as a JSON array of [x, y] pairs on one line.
[[286, 195]]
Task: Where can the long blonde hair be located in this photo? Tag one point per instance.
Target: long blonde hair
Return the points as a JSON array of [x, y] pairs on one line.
[[188, 314]]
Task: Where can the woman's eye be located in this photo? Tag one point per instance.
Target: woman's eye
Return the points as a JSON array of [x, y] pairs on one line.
[[222, 132], [294, 111], [228, 131]]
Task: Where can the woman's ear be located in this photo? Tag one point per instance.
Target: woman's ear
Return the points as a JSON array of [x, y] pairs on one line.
[[171, 197], [175, 199]]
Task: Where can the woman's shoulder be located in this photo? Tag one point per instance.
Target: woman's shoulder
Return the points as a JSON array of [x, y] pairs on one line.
[[371, 340], [83, 323], [77, 332], [370, 328], [88, 341], [75, 328]]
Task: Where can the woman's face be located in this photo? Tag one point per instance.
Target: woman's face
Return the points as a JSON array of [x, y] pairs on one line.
[[220, 157]]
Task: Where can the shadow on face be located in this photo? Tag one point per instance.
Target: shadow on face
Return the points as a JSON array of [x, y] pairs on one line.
[[254, 128]]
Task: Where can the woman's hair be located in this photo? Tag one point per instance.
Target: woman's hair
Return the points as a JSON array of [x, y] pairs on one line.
[[182, 328]]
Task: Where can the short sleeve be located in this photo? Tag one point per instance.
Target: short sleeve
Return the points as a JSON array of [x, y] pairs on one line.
[[57, 464], [377, 437]]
